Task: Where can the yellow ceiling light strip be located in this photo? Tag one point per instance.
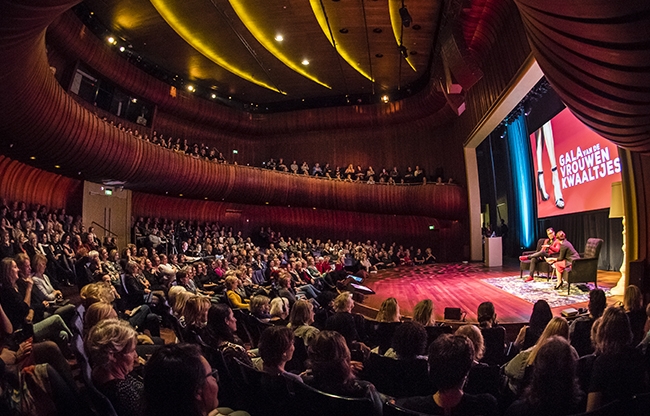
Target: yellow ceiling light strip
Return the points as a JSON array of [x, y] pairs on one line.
[[396, 24], [202, 46], [266, 40], [322, 21]]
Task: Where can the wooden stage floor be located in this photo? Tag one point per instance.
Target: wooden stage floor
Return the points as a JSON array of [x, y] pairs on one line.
[[458, 285]]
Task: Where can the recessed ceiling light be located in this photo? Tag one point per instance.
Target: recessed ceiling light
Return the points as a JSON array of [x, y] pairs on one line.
[[417, 27], [385, 98], [57, 166], [379, 55], [279, 38], [111, 40], [213, 96], [377, 30], [122, 48], [413, 52], [344, 30], [33, 157], [305, 62], [191, 88]]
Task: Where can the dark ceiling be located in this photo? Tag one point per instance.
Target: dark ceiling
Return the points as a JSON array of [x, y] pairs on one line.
[[230, 46]]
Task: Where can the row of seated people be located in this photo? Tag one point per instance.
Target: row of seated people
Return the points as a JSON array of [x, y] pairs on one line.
[[193, 240], [195, 150], [350, 174], [337, 316]]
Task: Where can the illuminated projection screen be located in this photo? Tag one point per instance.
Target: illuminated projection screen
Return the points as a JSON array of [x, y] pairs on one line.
[[585, 167]]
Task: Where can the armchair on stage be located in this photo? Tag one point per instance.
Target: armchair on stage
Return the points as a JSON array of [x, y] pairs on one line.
[[540, 267], [585, 269]]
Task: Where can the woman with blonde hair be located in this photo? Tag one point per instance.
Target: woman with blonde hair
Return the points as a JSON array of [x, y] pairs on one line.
[[474, 334], [279, 311], [300, 320], [388, 311], [517, 370], [633, 305], [111, 348], [232, 284], [423, 313]]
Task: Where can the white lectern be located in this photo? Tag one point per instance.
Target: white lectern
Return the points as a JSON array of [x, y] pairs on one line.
[[493, 252]]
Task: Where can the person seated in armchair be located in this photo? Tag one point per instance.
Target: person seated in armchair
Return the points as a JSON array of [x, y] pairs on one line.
[[550, 249], [564, 259]]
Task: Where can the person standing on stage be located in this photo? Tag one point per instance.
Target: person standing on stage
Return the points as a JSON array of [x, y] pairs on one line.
[[550, 248], [564, 259]]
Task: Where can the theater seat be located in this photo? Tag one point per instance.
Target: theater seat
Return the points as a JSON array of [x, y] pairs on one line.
[[312, 402], [380, 334], [391, 409], [398, 378], [585, 269]]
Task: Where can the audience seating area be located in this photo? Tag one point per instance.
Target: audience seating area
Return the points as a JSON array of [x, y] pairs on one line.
[[219, 270]]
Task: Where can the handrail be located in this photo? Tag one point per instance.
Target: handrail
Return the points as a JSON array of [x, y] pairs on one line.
[[105, 229]]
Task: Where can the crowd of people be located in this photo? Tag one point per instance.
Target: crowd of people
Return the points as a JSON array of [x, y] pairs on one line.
[[283, 310], [350, 173]]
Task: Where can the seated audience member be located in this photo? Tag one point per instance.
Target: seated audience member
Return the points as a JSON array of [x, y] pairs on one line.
[[279, 311], [450, 360], [111, 349], [350, 325], [331, 369], [619, 370], [550, 248], [429, 258], [388, 311], [44, 294], [580, 328], [276, 349], [232, 284], [16, 304], [553, 388], [474, 334], [409, 342], [518, 370], [529, 334], [220, 334], [301, 319], [565, 257], [494, 335], [179, 381], [423, 313], [196, 317], [633, 305], [260, 308]]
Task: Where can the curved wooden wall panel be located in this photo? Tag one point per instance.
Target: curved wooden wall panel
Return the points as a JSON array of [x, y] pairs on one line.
[[595, 54], [43, 121], [70, 36], [20, 182], [446, 240]]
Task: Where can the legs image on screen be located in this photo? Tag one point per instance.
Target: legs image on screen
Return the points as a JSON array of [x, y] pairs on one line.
[[540, 172], [547, 132]]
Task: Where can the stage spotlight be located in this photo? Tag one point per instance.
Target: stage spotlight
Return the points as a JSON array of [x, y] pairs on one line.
[[111, 40], [191, 88], [385, 99], [527, 109], [213, 96], [122, 48], [406, 16]]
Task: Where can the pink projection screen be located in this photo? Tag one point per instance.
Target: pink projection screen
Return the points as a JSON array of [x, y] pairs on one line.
[[577, 167]]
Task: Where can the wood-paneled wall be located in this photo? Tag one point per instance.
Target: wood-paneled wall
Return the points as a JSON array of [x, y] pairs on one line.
[[21, 182]]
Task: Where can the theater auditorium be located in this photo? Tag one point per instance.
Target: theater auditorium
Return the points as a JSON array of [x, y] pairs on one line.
[[351, 207]]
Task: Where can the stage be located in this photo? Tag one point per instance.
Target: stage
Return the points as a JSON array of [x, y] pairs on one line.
[[465, 286]]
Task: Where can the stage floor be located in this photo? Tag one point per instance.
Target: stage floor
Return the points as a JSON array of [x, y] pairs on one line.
[[459, 285]]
